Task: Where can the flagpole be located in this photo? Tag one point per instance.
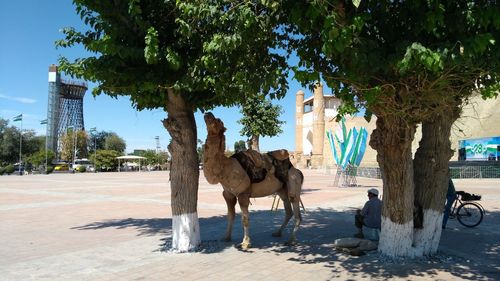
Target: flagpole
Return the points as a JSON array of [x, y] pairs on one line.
[[46, 148], [20, 147]]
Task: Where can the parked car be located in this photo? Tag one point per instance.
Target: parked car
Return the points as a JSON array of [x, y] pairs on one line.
[[19, 168], [61, 167], [85, 163]]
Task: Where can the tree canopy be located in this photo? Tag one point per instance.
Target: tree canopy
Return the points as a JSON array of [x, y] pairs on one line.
[[114, 142], [260, 118], [70, 149], [239, 146], [9, 143], [144, 47], [441, 50]]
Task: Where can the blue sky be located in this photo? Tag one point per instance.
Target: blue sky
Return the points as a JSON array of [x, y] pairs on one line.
[[28, 30]]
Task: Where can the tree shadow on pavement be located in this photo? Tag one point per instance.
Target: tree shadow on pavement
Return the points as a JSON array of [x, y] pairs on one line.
[[469, 254], [145, 227]]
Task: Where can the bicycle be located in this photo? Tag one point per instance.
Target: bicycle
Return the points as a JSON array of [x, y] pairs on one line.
[[468, 213]]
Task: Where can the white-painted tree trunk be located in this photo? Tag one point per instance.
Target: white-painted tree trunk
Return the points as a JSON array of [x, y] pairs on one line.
[[184, 173], [426, 240], [396, 239], [186, 232]]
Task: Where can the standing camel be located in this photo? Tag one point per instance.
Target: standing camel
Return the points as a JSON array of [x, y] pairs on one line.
[[249, 174]]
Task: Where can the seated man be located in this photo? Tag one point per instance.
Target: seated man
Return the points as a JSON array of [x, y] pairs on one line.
[[369, 217]]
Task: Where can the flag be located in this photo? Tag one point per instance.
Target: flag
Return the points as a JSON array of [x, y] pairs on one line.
[[18, 118], [43, 122]]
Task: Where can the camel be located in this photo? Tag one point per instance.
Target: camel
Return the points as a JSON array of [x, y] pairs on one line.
[[270, 173]]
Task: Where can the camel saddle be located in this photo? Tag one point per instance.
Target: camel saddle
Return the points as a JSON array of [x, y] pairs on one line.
[[257, 165]]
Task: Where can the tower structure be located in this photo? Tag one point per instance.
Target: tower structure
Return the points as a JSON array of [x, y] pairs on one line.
[[65, 107], [318, 126], [313, 115], [157, 139], [299, 117]]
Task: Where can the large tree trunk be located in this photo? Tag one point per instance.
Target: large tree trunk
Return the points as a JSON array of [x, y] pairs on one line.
[[431, 179], [392, 139], [255, 143], [184, 173]]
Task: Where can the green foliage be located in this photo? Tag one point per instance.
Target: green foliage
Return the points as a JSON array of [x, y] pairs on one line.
[[211, 52], [153, 158], [81, 169], [2, 171], [200, 149], [239, 146], [105, 160], [151, 50], [407, 58], [50, 169], [9, 169], [68, 145], [260, 117], [98, 139], [114, 142], [417, 56], [38, 158], [9, 142]]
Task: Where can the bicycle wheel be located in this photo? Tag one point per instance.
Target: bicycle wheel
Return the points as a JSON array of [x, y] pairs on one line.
[[469, 214]]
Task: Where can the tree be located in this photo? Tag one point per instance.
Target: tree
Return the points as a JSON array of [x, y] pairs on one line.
[[9, 150], [260, 118], [114, 142], [105, 160], [97, 140], [408, 63], [38, 158], [239, 146], [153, 158], [179, 56], [200, 149], [68, 147], [9, 143]]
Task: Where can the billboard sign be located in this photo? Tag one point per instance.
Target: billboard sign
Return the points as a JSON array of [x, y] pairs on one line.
[[481, 149]]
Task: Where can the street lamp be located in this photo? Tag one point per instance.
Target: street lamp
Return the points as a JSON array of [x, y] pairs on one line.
[[45, 122], [92, 133], [157, 138], [74, 146]]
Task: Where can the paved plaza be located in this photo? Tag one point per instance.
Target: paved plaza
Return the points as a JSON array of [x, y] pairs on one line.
[[117, 226]]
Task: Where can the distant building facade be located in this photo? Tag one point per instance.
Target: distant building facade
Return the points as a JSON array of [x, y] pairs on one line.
[[317, 113]]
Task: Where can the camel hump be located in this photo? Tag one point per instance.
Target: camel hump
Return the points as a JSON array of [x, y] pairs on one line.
[[254, 163], [280, 154]]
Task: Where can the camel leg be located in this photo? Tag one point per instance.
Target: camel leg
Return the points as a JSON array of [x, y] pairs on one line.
[[244, 201], [295, 180], [230, 202], [288, 212], [298, 218]]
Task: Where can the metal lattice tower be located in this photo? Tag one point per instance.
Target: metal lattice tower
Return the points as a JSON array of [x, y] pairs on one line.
[[157, 138], [65, 107]]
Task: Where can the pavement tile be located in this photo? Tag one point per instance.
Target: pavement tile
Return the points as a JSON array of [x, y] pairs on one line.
[[112, 226]]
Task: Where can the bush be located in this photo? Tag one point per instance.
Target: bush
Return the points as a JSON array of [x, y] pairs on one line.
[[9, 169], [2, 171], [49, 170], [81, 169]]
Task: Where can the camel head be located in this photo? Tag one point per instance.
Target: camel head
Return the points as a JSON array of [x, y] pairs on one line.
[[214, 147], [214, 125]]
